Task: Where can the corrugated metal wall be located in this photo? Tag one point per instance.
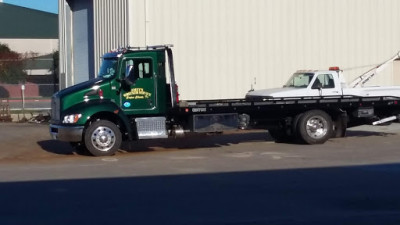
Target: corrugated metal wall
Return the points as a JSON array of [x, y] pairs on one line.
[[223, 47], [76, 42], [64, 28], [110, 27]]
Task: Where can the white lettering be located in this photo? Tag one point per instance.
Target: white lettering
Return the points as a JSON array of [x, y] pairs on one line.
[[199, 110]]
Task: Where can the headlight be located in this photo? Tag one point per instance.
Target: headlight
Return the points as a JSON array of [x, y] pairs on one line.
[[72, 118]]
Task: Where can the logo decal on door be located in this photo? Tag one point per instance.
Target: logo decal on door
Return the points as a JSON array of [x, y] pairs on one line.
[[137, 93]]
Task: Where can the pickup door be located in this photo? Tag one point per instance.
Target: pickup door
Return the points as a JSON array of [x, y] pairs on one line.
[[324, 84]]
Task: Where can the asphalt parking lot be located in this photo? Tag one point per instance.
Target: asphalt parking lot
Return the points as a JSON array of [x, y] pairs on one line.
[[237, 178], [22, 142]]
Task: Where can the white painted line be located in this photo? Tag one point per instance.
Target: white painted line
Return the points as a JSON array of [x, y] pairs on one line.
[[241, 155], [109, 159], [186, 157]]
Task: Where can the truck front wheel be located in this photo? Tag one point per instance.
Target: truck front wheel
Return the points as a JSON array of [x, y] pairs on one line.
[[102, 138], [315, 127]]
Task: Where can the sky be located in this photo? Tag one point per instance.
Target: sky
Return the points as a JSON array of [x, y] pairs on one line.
[[43, 5]]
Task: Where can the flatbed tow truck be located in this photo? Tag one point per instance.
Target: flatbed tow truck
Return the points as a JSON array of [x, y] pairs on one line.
[[135, 97]]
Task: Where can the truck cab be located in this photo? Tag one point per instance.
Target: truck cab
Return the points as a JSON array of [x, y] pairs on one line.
[[305, 83], [131, 88], [136, 81]]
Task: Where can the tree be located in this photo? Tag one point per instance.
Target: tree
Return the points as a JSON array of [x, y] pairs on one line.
[[11, 66], [55, 70]]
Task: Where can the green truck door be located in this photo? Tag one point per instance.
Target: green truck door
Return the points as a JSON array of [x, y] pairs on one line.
[[139, 97]]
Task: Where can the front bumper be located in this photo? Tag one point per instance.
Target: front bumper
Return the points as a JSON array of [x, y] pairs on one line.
[[66, 133]]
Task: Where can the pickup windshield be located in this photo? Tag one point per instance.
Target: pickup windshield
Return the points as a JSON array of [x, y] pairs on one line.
[[108, 67], [299, 80]]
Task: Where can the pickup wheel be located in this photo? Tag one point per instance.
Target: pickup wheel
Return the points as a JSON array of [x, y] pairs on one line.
[[102, 138], [315, 127]]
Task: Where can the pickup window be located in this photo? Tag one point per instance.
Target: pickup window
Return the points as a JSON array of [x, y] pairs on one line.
[[299, 80], [324, 81]]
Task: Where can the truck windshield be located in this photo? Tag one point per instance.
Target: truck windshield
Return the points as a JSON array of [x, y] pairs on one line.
[[108, 67], [299, 80]]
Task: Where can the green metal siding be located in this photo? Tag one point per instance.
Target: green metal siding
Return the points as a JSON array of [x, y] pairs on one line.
[[20, 22]]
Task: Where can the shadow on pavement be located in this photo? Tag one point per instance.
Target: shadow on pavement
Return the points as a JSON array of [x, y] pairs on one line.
[[361, 133], [196, 141], [191, 141], [218, 140], [366, 195], [56, 147]]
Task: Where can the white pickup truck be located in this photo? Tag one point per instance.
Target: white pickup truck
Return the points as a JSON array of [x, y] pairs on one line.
[[322, 83]]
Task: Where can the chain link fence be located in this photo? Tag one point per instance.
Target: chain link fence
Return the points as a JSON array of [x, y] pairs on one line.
[[19, 102]]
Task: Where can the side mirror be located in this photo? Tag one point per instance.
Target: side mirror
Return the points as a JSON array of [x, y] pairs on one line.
[[316, 85]]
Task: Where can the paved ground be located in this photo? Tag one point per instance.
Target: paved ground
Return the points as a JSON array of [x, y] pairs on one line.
[[239, 178]]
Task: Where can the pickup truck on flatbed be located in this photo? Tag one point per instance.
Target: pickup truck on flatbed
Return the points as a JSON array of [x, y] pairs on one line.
[[133, 98]]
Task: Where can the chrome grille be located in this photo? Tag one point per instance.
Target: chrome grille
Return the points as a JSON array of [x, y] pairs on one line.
[[55, 108]]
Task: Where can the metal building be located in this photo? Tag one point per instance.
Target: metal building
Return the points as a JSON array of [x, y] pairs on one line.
[[33, 34], [223, 48]]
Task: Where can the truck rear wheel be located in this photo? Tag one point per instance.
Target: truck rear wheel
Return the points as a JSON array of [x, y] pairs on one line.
[[102, 138], [315, 127]]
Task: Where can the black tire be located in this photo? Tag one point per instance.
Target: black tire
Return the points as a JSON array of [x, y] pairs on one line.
[[102, 138], [295, 125], [339, 128], [315, 127]]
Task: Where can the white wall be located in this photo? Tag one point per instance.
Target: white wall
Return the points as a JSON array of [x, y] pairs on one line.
[[221, 46], [396, 72], [32, 48], [39, 46]]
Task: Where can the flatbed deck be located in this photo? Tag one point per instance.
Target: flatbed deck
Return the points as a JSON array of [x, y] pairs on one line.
[[202, 106]]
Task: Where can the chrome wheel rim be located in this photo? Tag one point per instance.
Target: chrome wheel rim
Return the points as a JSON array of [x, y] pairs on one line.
[[317, 127], [103, 138]]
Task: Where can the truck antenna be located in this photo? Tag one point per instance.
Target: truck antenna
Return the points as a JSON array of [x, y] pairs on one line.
[[251, 85]]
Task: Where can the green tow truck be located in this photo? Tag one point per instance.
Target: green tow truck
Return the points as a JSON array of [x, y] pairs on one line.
[[135, 97]]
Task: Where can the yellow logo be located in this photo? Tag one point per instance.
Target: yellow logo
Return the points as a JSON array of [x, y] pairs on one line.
[[137, 93]]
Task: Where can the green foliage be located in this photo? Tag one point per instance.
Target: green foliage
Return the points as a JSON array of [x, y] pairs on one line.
[[54, 68], [4, 48], [11, 66]]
